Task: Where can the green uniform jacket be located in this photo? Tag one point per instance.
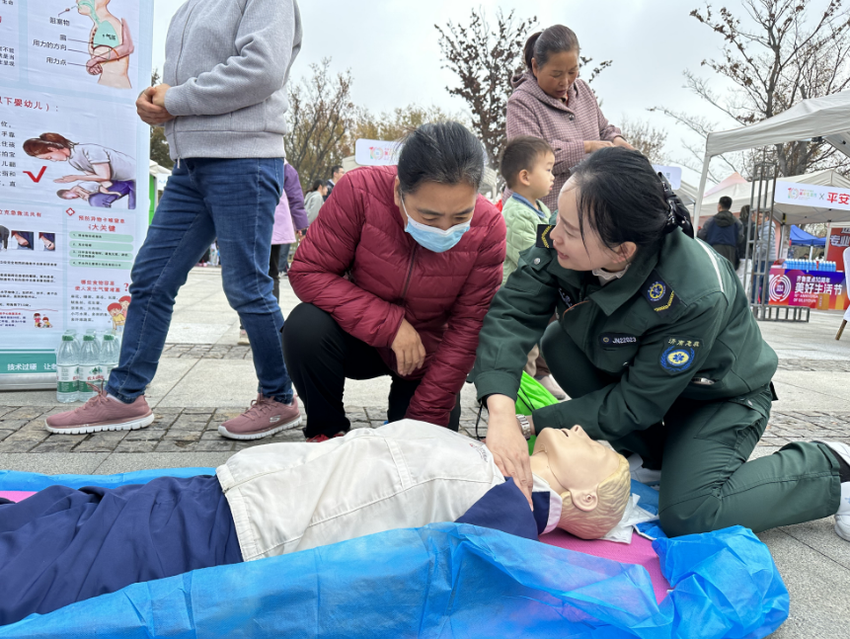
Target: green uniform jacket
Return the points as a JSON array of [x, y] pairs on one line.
[[521, 222], [677, 324]]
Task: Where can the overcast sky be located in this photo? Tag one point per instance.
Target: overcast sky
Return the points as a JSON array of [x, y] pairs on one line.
[[391, 48]]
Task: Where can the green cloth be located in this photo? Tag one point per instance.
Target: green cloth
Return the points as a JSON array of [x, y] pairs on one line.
[[521, 222], [667, 362], [531, 396]]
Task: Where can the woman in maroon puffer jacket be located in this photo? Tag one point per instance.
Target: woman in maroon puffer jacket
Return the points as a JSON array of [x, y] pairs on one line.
[[396, 275]]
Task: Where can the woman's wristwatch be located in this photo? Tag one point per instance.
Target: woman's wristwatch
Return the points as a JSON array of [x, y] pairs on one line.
[[525, 426]]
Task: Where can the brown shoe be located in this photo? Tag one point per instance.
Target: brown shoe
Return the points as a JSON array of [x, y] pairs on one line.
[[101, 413], [265, 417]]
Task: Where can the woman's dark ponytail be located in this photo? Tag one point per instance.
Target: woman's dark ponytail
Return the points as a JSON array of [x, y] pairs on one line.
[[528, 51]]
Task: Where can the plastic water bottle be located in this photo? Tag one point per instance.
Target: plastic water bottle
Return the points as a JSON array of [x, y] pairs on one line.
[[110, 353], [90, 370], [67, 361]]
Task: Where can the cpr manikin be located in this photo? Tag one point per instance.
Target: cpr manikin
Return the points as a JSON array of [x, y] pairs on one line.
[[280, 498], [592, 480]]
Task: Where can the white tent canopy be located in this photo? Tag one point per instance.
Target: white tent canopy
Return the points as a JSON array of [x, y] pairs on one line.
[[827, 117], [788, 213]]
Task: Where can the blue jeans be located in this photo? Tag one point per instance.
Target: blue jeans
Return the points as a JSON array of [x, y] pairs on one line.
[[205, 199]]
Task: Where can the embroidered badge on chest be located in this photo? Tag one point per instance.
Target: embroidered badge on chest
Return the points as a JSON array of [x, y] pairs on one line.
[[544, 236], [679, 354], [660, 296]]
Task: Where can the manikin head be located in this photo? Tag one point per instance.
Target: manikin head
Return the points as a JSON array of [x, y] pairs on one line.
[[592, 479]]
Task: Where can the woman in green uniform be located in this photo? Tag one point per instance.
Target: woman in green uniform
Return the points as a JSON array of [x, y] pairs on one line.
[[658, 349]]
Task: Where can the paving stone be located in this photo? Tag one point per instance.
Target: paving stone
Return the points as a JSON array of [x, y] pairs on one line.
[[5, 433], [213, 445], [58, 444], [104, 442], [191, 422], [26, 412], [196, 411], [136, 446], [175, 446], [11, 445]]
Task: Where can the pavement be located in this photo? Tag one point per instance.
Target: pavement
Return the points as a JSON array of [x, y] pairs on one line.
[[204, 378]]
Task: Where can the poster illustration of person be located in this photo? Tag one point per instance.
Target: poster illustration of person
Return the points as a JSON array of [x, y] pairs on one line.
[[110, 44], [113, 172], [117, 312]]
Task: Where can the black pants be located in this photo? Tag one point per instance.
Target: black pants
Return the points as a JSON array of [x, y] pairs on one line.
[[320, 355]]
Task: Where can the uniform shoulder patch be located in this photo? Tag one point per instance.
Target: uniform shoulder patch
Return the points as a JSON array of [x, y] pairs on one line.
[[544, 239], [679, 354], [658, 293]]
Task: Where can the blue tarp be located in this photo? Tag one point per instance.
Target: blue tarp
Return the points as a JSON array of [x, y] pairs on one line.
[[443, 580], [799, 237]]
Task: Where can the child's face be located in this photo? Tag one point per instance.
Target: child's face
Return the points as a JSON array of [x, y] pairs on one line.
[[540, 178]]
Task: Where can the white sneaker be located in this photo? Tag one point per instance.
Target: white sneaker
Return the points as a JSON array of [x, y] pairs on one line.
[[842, 517], [548, 382], [243, 338]]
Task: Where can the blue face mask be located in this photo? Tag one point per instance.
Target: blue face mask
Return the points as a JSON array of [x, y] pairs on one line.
[[432, 238]]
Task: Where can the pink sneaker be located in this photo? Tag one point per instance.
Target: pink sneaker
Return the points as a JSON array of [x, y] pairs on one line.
[[265, 417], [101, 413]]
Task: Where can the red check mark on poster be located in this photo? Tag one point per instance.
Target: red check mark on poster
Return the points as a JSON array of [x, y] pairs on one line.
[[40, 174]]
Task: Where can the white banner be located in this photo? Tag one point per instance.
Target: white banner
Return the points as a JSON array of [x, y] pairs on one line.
[[73, 169], [376, 152], [826, 197]]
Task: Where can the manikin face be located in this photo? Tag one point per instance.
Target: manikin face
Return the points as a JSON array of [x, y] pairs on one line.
[[570, 461], [588, 253], [558, 74], [439, 205]]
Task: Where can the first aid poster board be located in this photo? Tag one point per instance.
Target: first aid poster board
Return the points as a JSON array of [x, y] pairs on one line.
[[74, 171]]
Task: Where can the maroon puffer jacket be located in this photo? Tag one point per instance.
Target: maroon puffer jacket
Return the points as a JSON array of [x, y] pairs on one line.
[[358, 264]]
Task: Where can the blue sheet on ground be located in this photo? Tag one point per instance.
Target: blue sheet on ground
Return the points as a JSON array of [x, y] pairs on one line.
[[443, 580]]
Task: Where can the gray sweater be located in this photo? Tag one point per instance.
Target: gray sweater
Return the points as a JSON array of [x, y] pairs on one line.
[[228, 62]]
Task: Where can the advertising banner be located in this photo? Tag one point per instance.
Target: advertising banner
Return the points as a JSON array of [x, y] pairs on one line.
[[376, 152], [827, 197], [73, 171], [822, 290], [837, 242]]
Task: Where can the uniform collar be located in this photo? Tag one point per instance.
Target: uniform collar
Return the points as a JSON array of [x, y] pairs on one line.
[[614, 294]]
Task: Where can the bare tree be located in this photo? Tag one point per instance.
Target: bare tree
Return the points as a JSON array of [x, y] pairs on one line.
[[485, 58], [395, 125], [645, 138], [159, 145], [321, 115], [778, 53]]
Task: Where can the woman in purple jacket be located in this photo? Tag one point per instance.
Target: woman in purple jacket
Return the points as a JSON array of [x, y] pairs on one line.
[[551, 102]]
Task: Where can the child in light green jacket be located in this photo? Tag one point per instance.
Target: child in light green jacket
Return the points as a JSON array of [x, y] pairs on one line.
[[526, 166], [527, 169]]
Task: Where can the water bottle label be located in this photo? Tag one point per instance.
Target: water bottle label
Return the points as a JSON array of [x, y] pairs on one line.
[[93, 376], [67, 379]]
